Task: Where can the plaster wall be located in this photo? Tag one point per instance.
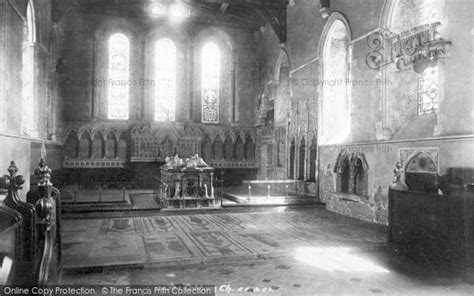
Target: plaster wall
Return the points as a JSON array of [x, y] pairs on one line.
[[380, 127]]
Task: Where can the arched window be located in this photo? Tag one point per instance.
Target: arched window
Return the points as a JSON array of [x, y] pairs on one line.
[[210, 77], [28, 73], [165, 80], [410, 14], [335, 103], [119, 73]]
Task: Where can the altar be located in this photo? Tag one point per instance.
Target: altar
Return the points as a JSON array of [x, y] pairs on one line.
[[187, 183]]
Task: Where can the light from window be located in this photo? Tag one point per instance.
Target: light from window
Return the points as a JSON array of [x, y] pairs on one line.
[[415, 13], [28, 103], [428, 91], [178, 12], [119, 64], [165, 84], [335, 109], [210, 65], [428, 82]]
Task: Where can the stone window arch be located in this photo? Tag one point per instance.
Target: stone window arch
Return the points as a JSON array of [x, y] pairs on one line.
[[282, 89], [335, 92], [71, 146], [214, 75]]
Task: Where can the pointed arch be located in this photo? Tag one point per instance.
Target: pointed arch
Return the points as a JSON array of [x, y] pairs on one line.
[[249, 149], [206, 148], [229, 148], [218, 148], [239, 149], [282, 63], [85, 145], [98, 146], [122, 148], [335, 71], [217, 101], [111, 146], [71, 145]]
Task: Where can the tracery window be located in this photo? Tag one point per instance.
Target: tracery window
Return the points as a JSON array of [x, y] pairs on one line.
[[428, 89], [119, 73], [28, 87], [428, 92], [165, 80], [411, 14], [210, 76]]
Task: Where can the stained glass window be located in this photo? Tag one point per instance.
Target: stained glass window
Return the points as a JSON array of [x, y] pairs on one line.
[[428, 91], [165, 80], [118, 82], [411, 14], [28, 103], [335, 109], [210, 66], [428, 83]]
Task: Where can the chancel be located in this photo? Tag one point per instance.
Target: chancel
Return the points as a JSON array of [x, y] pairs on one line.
[[231, 147]]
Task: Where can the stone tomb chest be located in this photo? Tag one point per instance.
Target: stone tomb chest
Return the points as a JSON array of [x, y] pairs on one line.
[[188, 183]]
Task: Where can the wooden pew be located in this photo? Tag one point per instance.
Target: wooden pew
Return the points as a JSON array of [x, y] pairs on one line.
[[37, 259]]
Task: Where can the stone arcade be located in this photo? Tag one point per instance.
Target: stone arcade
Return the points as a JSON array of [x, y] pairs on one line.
[[283, 147]]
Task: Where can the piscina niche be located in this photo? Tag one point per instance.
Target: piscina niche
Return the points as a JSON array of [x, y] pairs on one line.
[[351, 172], [421, 169]]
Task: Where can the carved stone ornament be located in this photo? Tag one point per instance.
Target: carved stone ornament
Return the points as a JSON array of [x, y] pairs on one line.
[[398, 183]]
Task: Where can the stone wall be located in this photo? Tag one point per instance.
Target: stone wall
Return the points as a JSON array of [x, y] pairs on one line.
[[383, 107], [84, 83], [16, 144]]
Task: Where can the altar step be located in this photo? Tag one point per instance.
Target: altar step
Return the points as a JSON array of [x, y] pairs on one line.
[[84, 207], [237, 197], [110, 200]]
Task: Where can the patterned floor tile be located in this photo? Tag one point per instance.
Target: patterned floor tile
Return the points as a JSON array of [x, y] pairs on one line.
[[218, 244], [117, 251], [169, 247], [158, 239]]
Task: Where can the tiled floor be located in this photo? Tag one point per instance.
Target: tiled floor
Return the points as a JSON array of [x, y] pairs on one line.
[[207, 238], [291, 276], [295, 252]]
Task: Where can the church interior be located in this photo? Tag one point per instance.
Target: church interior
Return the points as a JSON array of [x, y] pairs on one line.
[[237, 147]]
